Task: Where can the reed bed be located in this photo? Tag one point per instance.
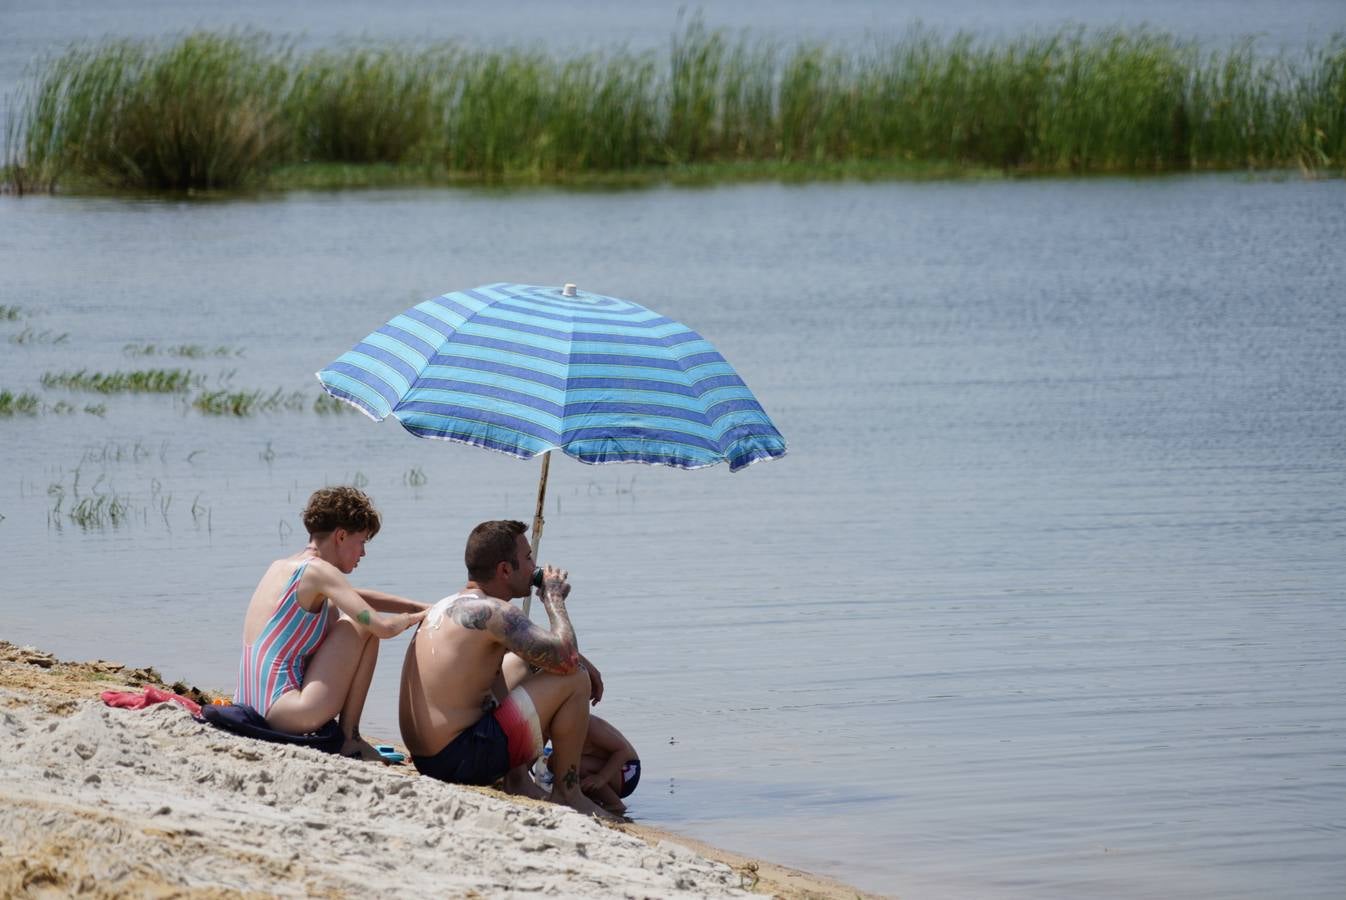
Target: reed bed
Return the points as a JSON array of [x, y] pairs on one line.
[[142, 381], [228, 110], [199, 113]]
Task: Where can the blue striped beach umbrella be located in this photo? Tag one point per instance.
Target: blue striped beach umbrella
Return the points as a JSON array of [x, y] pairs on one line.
[[526, 370]]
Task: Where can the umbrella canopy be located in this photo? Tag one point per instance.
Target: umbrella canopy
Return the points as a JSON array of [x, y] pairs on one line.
[[524, 369]]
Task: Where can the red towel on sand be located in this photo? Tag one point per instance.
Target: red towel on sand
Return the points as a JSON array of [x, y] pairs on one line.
[[132, 700]]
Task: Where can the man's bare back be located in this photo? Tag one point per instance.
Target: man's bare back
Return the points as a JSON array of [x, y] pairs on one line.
[[449, 673]]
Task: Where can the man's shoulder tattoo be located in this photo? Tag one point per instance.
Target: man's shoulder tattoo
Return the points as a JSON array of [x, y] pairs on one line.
[[472, 614]]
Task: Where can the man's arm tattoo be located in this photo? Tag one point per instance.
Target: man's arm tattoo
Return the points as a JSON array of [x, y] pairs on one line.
[[553, 652], [471, 615]]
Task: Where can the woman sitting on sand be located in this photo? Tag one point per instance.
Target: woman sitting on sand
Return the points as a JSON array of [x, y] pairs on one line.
[[310, 639]]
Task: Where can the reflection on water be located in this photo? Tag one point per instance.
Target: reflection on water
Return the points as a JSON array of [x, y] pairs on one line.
[[1045, 601]]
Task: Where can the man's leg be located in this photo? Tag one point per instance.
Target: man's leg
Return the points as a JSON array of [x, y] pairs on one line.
[[518, 780], [562, 704], [336, 681]]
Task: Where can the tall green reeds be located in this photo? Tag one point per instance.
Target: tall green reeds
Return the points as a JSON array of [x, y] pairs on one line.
[[217, 110], [200, 113], [363, 106]]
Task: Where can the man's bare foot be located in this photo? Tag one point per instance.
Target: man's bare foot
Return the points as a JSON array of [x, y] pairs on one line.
[[582, 804], [518, 781]]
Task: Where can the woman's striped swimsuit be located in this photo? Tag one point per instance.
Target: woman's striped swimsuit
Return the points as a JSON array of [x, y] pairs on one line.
[[274, 663]]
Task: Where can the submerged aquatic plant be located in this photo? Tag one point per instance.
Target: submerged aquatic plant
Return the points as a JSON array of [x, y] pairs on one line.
[[101, 504], [188, 351], [99, 510], [143, 381], [247, 403], [20, 404], [30, 335], [326, 404]]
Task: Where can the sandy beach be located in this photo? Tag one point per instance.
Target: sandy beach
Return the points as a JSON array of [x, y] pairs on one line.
[[111, 802]]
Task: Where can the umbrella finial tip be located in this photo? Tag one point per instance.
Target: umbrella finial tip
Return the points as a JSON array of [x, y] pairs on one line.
[[569, 290]]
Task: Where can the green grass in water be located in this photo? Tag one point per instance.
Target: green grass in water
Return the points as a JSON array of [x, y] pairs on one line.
[[186, 351], [20, 404], [100, 510], [144, 381], [247, 403], [30, 335], [327, 405], [241, 110]]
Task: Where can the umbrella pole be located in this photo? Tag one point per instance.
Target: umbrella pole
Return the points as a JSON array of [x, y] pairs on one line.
[[538, 521]]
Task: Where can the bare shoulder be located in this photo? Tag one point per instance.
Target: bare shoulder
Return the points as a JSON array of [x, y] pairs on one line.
[[477, 613], [316, 565], [322, 576], [319, 580]]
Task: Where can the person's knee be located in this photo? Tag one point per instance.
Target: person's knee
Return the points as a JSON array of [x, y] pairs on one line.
[[347, 630], [579, 681]]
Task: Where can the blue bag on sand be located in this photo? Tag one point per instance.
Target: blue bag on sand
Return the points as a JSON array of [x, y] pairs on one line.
[[240, 718]]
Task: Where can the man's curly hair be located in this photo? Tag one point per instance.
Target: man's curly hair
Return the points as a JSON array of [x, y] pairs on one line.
[[341, 507]]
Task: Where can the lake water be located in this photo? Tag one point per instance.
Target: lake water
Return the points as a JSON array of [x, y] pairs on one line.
[[1047, 599]]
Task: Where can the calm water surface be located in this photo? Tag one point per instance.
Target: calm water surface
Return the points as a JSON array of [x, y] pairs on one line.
[[1047, 599]]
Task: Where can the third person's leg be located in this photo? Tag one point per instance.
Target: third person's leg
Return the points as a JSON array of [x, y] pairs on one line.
[[562, 704]]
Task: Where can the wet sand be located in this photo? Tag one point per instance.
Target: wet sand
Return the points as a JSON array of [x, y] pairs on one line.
[[112, 802]]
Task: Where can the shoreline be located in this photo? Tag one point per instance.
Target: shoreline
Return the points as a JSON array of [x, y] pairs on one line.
[[111, 801], [338, 177]]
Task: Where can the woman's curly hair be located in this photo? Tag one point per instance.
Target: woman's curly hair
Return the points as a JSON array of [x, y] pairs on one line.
[[341, 507]]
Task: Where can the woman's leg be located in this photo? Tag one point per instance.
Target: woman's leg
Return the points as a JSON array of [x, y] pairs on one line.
[[336, 681], [355, 703]]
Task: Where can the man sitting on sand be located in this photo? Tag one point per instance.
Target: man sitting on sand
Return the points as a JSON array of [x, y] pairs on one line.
[[459, 720]]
